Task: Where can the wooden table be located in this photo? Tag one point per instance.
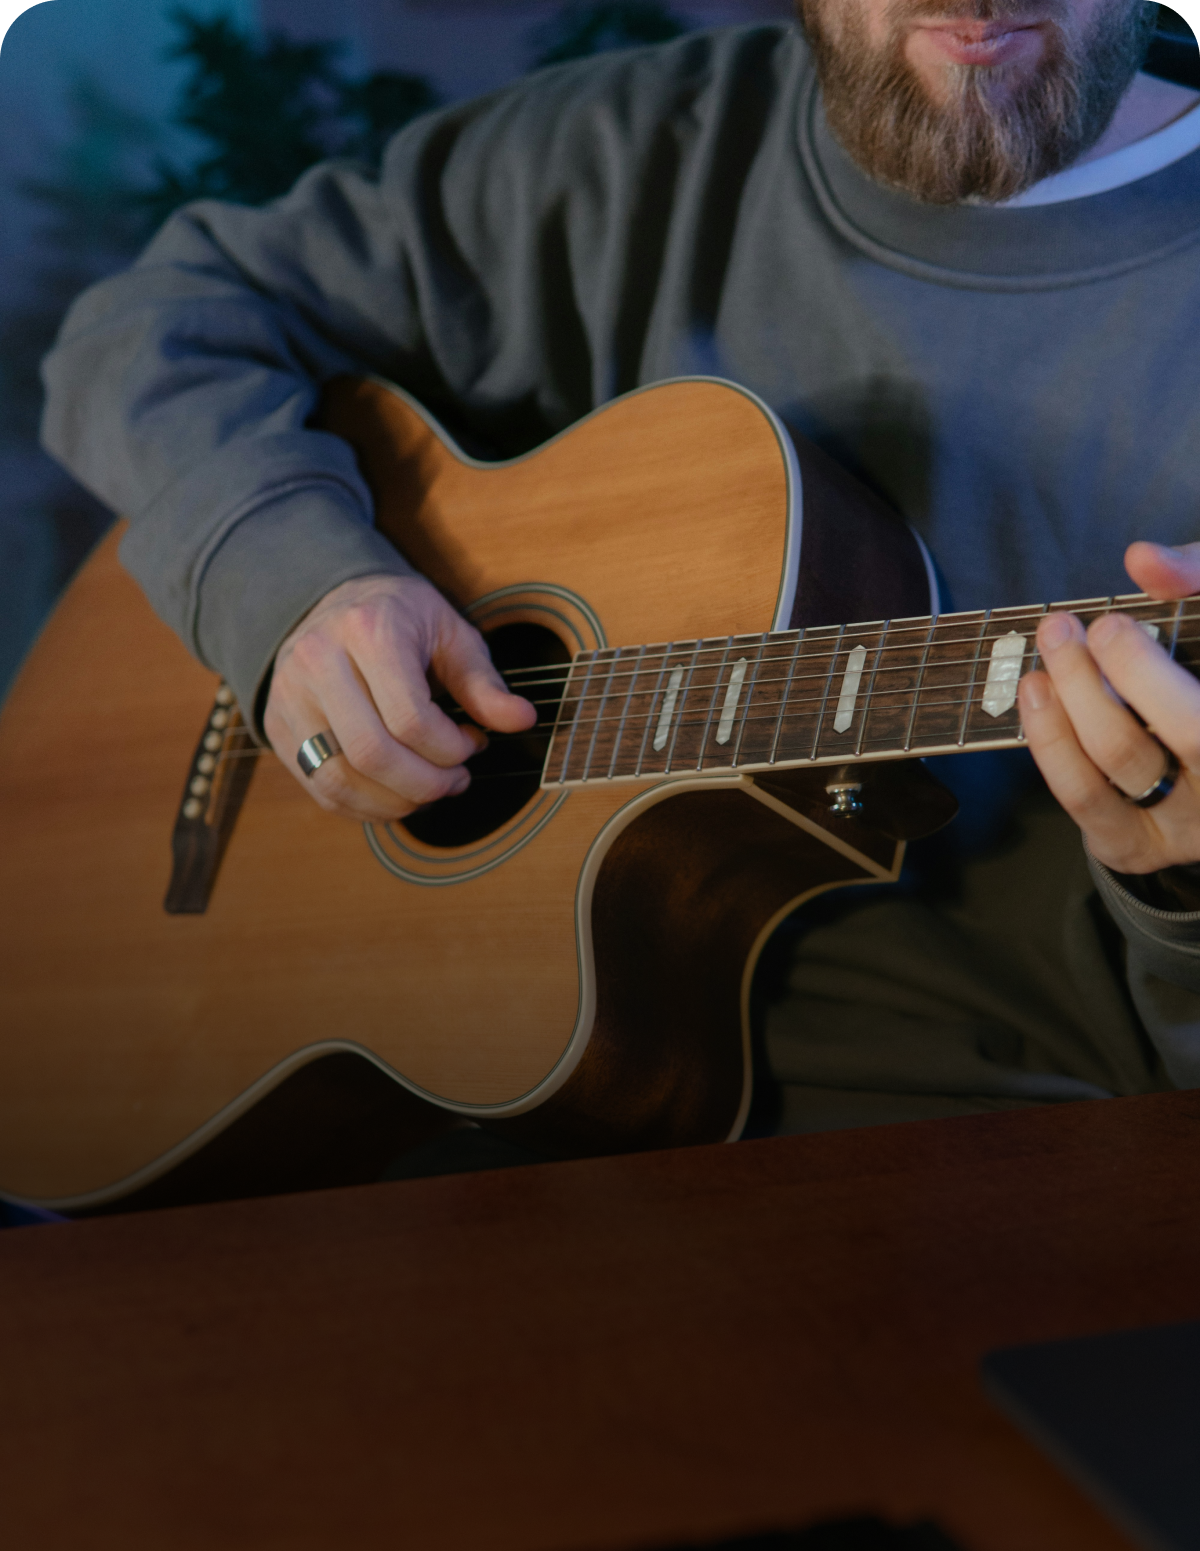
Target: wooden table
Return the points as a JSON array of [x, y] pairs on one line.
[[616, 1353]]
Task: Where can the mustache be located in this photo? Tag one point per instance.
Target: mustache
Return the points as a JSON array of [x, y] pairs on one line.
[[976, 11]]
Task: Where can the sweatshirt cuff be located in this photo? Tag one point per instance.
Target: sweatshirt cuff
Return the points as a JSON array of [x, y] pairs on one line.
[[1160, 931], [270, 570]]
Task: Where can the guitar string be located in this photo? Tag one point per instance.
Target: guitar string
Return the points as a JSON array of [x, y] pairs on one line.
[[684, 656], [794, 704], [791, 707], [547, 736], [923, 670], [786, 639], [685, 652]]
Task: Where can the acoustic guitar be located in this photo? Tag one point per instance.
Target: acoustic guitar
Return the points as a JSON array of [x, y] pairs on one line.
[[210, 987]]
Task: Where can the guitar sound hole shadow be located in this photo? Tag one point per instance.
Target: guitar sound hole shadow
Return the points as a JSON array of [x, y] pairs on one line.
[[508, 772]]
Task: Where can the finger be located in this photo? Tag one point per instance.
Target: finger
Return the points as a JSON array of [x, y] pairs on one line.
[[1108, 734], [1119, 836], [1164, 694], [375, 777], [334, 786], [398, 687], [463, 664], [374, 751], [1164, 572], [341, 789], [381, 664]]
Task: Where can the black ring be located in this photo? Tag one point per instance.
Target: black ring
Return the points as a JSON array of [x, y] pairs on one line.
[[1163, 787]]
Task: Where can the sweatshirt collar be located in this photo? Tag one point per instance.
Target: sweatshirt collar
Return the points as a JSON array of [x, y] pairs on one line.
[[993, 248]]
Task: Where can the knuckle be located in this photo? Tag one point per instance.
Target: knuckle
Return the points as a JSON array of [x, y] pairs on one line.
[[368, 754], [1126, 752], [406, 723], [361, 621]]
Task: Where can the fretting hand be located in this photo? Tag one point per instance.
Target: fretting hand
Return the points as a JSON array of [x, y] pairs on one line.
[[1090, 746], [359, 664]]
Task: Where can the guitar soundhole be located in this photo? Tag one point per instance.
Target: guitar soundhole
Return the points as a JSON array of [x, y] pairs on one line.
[[507, 774]]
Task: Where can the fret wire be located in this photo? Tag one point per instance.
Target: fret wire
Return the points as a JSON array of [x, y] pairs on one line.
[[932, 742], [612, 764], [1175, 629], [934, 705], [1033, 666], [1182, 640], [862, 730], [1014, 617], [812, 700], [575, 720], [712, 704], [681, 705], [841, 636], [919, 686], [966, 716], [662, 673], [783, 700], [587, 764], [554, 731], [954, 662], [762, 646]]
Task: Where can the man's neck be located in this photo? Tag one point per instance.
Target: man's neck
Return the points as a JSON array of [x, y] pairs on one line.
[[1148, 106]]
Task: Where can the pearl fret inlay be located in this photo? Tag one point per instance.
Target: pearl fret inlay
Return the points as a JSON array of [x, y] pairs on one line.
[[855, 664], [732, 695]]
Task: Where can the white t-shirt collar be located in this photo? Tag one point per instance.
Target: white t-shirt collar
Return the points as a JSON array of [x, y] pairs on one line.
[[1139, 160]]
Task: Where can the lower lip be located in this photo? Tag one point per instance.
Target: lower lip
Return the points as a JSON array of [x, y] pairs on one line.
[[960, 48]]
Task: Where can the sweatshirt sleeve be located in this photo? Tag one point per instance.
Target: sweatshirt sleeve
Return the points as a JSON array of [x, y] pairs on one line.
[[482, 272], [1163, 969], [180, 393]]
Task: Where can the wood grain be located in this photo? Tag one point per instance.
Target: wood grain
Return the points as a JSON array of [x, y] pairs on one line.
[[124, 1029], [634, 1352]]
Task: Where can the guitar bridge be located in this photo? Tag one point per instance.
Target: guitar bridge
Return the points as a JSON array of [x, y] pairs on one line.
[[212, 798]]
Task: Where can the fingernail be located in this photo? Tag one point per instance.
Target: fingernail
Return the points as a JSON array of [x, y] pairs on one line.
[[1102, 630], [1037, 691], [1054, 631]]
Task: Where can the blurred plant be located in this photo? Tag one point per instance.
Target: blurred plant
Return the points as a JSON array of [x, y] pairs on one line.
[[250, 117], [586, 27], [92, 223], [268, 110]]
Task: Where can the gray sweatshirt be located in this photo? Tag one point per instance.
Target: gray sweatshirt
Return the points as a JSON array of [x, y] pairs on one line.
[[1022, 385]]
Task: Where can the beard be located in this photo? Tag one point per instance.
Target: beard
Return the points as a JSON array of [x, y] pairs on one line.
[[999, 129]]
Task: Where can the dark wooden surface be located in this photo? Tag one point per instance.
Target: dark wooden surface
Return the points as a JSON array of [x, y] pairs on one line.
[[611, 1353]]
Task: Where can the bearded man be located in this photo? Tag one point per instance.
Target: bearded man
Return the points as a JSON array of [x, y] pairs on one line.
[[953, 242]]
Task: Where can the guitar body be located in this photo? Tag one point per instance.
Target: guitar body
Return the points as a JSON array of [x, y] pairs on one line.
[[578, 976]]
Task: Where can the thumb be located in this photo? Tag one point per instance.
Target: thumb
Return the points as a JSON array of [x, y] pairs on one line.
[[1163, 572], [463, 665]]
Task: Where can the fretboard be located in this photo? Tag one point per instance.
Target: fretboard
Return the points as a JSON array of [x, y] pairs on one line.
[[826, 695]]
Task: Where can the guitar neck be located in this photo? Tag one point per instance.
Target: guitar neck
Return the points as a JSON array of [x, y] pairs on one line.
[[827, 695]]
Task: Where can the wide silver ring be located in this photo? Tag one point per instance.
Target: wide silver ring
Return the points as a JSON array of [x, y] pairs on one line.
[[314, 751], [1163, 787]]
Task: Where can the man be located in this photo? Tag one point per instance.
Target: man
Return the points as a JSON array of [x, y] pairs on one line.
[[952, 242]]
